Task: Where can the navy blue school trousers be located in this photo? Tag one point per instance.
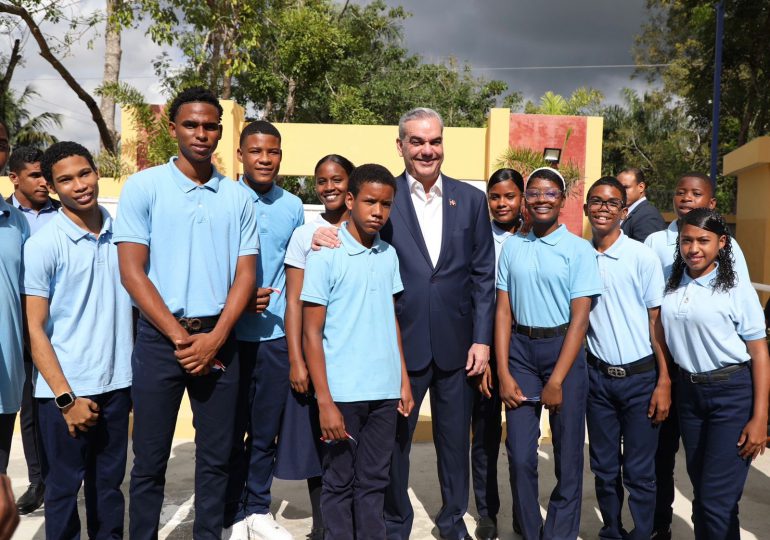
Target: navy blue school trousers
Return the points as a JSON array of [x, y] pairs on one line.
[[30, 433], [158, 386], [95, 459], [487, 431], [617, 411], [356, 472], [261, 400], [531, 362], [712, 417], [451, 400], [665, 460]]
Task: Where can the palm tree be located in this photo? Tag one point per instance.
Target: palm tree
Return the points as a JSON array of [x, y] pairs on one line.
[[26, 129]]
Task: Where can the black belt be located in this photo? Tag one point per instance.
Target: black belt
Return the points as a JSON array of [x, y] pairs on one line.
[[192, 324], [626, 370], [536, 332], [716, 375]]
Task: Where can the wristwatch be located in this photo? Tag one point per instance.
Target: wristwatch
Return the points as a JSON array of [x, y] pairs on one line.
[[65, 400]]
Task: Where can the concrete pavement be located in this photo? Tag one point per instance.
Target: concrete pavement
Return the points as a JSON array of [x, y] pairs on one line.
[[292, 507]]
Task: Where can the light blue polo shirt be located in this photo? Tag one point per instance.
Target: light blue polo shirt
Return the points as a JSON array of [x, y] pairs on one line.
[[663, 243], [543, 275], [499, 236], [278, 214], [301, 242], [619, 325], [195, 234], [89, 316], [706, 329], [360, 342], [35, 219], [14, 231]]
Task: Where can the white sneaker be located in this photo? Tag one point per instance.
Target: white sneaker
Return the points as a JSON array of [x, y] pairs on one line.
[[264, 527], [238, 531]]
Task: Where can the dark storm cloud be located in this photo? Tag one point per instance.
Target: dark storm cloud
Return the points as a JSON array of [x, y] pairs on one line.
[[508, 33]]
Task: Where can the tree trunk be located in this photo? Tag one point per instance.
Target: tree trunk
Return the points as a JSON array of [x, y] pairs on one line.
[[290, 103], [5, 83], [45, 51], [112, 55]]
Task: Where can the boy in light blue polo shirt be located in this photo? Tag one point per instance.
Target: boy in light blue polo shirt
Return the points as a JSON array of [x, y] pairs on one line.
[[627, 396], [81, 336], [188, 246], [261, 339], [353, 350]]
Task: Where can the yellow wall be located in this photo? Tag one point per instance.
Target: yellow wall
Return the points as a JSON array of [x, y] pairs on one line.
[[593, 171], [751, 165]]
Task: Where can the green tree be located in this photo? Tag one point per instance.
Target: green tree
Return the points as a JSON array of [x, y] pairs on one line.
[[681, 33], [583, 102], [28, 129]]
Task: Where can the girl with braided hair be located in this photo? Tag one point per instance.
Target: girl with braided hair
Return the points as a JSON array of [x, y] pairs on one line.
[[715, 331]]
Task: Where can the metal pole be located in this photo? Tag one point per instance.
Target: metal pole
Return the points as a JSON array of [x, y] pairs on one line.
[[720, 8]]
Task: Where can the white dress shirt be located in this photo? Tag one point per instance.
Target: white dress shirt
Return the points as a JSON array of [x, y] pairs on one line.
[[428, 207]]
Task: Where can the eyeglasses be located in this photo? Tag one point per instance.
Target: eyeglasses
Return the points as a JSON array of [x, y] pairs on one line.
[[535, 194], [613, 205], [4, 145]]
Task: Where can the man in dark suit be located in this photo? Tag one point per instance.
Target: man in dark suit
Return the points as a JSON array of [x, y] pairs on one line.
[[31, 198], [643, 218], [441, 231]]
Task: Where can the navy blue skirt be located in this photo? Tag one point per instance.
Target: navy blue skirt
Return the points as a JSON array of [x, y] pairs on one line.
[[298, 455]]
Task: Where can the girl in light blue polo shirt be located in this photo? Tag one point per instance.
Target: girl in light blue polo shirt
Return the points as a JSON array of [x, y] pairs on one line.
[[298, 453], [545, 282], [715, 330], [505, 194]]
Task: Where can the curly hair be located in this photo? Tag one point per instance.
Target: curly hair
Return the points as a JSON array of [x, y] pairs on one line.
[[59, 151], [712, 221], [195, 94]]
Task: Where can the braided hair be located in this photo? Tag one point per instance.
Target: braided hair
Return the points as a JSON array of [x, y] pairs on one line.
[[712, 221]]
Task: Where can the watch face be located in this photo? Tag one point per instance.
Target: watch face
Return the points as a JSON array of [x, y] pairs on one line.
[[64, 400]]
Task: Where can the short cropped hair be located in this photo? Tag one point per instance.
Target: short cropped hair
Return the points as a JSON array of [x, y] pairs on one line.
[[370, 173], [694, 174], [636, 171], [414, 114], [196, 94], [259, 126], [59, 151], [612, 182], [5, 127], [23, 156]]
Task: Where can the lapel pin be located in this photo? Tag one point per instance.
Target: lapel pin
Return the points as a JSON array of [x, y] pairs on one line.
[[452, 202]]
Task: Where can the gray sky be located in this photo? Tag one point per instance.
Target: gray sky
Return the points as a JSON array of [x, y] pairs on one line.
[[483, 33]]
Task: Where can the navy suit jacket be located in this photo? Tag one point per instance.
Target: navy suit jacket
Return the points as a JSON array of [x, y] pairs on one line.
[[643, 221], [443, 310]]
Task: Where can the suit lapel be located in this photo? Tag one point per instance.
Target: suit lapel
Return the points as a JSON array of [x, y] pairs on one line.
[[448, 210], [405, 207]]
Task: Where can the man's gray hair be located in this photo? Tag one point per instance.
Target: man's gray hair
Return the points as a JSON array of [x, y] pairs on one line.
[[414, 114]]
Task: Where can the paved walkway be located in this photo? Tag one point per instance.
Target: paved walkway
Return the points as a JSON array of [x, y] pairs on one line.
[[292, 507]]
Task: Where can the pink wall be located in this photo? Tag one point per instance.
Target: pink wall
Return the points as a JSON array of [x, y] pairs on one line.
[[539, 131]]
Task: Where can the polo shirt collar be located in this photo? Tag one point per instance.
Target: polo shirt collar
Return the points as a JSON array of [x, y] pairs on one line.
[[672, 231], [75, 233], [270, 196], [47, 208], [5, 208], [551, 239], [616, 247], [499, 234], [187, 185], [703, 281], [353, 247]]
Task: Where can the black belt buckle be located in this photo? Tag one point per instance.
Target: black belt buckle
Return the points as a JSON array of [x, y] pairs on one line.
[[616, 372], [190, 325]]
